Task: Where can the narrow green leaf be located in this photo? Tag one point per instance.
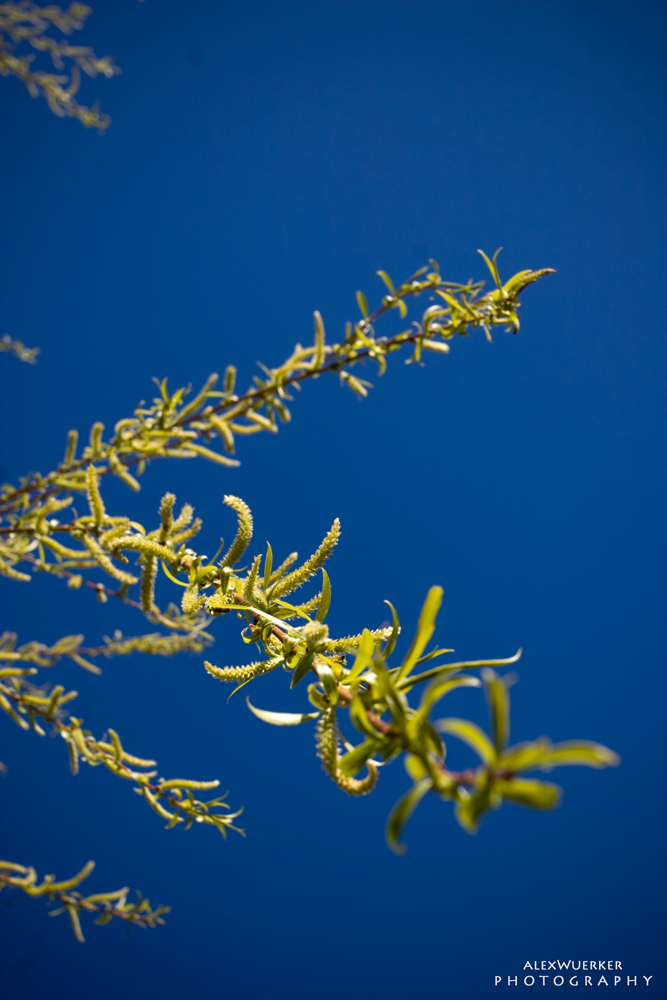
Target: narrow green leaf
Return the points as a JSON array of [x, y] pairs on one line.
[[316, 698], [525, 756], [282, 718], [326, 675], [360, 718], [262, 614], [290, 607], [402, 812], [425, 628], [493, 267], [532, 794], [268, 566], [363, 304], [495, 689], [304, 665], [387, 280], [448, 668], [431, 739], [438, 689], [364, 656], [544, 755], [391, 641], [390, 695], [470, 808], [325, 600], [581, 752], [415, 767], [471, 734], [434, 652], [351, 763]]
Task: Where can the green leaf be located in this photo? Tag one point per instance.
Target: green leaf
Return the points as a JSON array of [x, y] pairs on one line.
[[390, 695], [448, 668], [415, 767], [282, 718], [363, 304], [289, 607], [325, 600], [302, 668], [268, 566], [263, 614], [532, 794], [360, 718], [316, 698], [434, 652], [525, 756], [326, 675], [581, 752], [391, 641], [438, 689], [471, 808], [431, 740], [425, 628], [493, 267], [543, 755], [402, 812], [497, 698], [387, 280], [471, 734], [364, 656], [351, 763]]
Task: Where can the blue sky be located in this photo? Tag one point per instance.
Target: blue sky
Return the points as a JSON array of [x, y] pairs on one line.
[[265, 159]]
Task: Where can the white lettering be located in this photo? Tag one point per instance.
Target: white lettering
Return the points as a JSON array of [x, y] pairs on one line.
[[498, 979], [634, 980], [556, 983], [574, 981], [648, 979], [543, 965], [589, 981], [584, 965], [564, 965], [544, 979], [617, 980], [532, 980], [592, 965], [509, 981], [576, 965], [552, 965], [603, 980], [527, 966], [618, 965]]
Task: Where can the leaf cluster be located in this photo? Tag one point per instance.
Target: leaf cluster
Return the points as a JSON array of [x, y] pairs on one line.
[[29, 706], [376, 696], [175, 427], [355, 674], [18, 349], [24, 22], [106, 905]]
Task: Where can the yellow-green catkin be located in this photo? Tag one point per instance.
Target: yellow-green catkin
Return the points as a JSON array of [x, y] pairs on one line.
[[327, 751]]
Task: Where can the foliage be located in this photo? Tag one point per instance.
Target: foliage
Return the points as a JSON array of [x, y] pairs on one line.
[[24, 22], [18, 349], [107, 904], [358, 673]]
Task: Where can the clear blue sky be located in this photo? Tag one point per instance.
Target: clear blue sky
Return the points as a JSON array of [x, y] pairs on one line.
[[265, 159]]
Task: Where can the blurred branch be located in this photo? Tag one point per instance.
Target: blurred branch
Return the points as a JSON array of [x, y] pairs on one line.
[[106, 905], [27, 23]]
